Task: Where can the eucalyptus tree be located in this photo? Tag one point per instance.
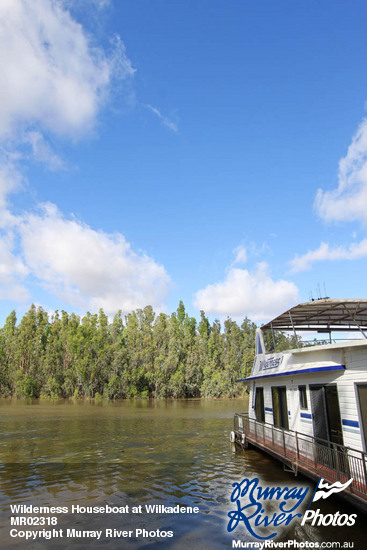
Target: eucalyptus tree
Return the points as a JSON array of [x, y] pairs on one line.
[[158, 377], [30, 351], [117, 386], [53, 365], [213, 380], [249, 332], [8, 349], [144, 356]]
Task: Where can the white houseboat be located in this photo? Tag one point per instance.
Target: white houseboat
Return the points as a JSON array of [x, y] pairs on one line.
[[308, 405]]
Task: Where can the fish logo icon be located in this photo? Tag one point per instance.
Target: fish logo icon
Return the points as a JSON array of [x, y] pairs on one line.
[[324, 489]]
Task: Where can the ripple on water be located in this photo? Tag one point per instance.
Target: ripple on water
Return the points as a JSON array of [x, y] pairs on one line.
[[131, 453]]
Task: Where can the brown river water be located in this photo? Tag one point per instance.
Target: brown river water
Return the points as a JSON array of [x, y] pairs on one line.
[[135, 453]]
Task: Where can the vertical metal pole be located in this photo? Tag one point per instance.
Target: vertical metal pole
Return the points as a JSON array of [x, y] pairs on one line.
[[364, 458], [294, 330], [346, 458], [284, 443], [314, 453], [272, 333], [335, 450], [297, 445]]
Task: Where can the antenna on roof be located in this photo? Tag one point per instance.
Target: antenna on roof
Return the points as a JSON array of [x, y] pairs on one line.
[[326, 296], [318, 291], [318, 294]]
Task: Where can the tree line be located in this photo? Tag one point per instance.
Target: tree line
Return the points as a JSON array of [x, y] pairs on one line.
[[140, 355]]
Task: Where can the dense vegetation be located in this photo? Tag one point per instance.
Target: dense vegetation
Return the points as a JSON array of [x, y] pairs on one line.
[[143, 355]]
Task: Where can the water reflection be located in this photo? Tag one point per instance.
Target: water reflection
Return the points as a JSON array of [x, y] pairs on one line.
[[129, 453]]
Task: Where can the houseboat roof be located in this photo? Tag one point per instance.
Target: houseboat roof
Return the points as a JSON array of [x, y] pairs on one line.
[[323, 315]]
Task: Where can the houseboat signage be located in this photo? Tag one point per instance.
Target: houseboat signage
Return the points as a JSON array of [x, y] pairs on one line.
[[271, 363]]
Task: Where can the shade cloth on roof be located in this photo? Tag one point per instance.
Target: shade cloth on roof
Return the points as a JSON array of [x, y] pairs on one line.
[[325, 314]]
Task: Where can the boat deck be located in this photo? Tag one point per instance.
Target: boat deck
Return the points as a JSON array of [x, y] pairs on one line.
[[313, 458]]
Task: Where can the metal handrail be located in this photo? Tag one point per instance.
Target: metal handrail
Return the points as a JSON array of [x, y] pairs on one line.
[[319, 456], [317, 440]]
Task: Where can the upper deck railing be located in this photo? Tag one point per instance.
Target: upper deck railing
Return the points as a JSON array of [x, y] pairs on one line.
[[326, 341]]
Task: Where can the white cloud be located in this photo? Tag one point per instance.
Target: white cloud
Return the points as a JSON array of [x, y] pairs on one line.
[[98, 4], [241, 255], [88, 268], [354, 251], [54, 80], [242, 293], [50, 73], [12, 271], [165, 120], [348, 202], [42, 152], [10, 181]]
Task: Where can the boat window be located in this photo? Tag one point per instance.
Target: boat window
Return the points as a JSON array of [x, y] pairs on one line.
[[280, 407], [327, 424], [333, 413], [259, 405], [303, 397], [362, 394]]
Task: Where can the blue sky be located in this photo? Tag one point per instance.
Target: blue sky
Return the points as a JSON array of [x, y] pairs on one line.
[[211, 151]]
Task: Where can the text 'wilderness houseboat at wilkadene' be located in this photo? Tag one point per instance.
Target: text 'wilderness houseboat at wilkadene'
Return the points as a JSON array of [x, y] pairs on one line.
[[308, 405]]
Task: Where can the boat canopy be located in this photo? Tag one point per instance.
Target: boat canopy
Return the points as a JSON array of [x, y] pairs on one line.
[[323, 315]]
